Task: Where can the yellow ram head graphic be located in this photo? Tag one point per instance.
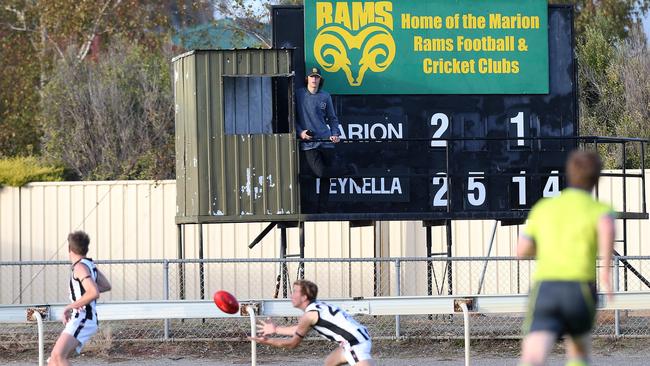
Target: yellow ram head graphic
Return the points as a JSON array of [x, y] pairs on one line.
[[375, 42]]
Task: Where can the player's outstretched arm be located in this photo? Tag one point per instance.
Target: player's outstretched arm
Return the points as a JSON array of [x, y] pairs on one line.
[[304, 324], [606, 232], [268, 327]]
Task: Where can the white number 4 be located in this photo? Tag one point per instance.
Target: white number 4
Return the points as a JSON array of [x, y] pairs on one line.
[[552, 187]]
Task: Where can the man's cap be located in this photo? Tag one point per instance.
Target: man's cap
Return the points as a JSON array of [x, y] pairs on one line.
[[314, 71]]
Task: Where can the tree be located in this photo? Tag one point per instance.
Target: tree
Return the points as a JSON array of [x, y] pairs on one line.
[[615, 90], [19, 83], [614, 17], [34, 36], [113, 118], [250, 17]]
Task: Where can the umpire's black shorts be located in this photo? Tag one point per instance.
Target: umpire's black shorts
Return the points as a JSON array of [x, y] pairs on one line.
[[561, 307]]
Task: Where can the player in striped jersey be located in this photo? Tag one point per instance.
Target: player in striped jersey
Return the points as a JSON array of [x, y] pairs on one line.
[[80, 316], [329, 320]]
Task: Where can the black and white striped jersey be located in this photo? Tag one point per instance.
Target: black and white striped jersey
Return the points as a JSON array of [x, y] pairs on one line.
[[77, 290], [337, 325]]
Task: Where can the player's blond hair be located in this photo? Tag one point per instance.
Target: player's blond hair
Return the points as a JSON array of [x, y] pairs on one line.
[[583, 169], [308, 289]]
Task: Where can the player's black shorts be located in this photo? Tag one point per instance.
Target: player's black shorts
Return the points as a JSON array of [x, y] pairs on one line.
[[561, 307]]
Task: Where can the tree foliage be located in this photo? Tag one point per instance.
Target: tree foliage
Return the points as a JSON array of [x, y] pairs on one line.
[[18, 171], [251, 17], [19, 84], [615, 18], [67, 92], [113, 118], [34, 35], [614, 76]]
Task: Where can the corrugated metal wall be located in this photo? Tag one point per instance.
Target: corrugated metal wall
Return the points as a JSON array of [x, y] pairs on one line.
[[239, 176], [135, 220], [125, 219]]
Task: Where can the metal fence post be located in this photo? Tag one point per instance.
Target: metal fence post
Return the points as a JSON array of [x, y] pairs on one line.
[[166, 294], [617, 319], [398, 292]]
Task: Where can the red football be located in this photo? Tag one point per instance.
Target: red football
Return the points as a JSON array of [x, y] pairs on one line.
[[226, 302]]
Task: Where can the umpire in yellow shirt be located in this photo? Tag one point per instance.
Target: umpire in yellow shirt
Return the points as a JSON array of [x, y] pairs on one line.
[[565, 234]]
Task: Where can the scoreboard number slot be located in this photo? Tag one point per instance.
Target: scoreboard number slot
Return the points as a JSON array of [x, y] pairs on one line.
[[476, 192], [441, 121]]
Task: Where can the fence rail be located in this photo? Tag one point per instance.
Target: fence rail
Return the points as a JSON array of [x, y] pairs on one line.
[[193, 279], [257, 279]]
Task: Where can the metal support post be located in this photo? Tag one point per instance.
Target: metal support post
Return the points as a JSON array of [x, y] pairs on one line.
[[617, 315], [494, 232], [201, 264], [398, 292], [301, 265], [450, 289], [166, 295], [283, 265], [429, 263], [463, 306], [251, 314], [41, 341], [181, 266]]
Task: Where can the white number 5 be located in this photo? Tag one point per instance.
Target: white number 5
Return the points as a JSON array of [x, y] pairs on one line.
[[477, 197]]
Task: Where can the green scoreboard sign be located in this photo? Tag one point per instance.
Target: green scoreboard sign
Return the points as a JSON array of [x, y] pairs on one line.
[[429, 46]]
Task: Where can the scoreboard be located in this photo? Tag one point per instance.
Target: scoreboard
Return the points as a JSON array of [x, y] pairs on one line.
[[445, 156]]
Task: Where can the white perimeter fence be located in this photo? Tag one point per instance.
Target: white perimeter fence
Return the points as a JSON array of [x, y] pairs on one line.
[[171, 281]]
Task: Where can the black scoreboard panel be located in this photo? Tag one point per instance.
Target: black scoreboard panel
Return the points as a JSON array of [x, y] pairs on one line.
[[447, 156]]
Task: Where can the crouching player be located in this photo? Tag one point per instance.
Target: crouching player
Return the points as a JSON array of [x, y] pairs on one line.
[[328, 320], [80, 316]]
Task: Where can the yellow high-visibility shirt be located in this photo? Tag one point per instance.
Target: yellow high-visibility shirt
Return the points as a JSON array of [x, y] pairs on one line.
[[565, 231]]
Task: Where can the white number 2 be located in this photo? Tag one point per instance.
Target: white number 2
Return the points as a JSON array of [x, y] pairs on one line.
[[442, 120], [438, 199]]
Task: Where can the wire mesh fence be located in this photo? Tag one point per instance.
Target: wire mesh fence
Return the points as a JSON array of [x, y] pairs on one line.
[[256, 279]]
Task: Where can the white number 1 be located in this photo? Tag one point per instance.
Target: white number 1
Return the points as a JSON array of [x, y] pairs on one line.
[[519, 121], [521, 181]]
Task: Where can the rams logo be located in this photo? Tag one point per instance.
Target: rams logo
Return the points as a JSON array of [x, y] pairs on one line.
[[354, 38]]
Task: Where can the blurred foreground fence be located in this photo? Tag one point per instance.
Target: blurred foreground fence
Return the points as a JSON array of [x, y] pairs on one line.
[[253, 279]]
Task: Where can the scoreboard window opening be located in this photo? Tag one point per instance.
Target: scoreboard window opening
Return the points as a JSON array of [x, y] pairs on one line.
[[257, 104]]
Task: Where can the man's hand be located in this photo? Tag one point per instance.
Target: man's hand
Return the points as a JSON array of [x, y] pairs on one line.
[[335, 139], [606, 285], [260, 340], [67, 314], [267, 327], [304, 135]]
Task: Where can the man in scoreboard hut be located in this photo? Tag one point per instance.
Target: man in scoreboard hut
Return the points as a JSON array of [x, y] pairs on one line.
[[316, 121], [329, 320]]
